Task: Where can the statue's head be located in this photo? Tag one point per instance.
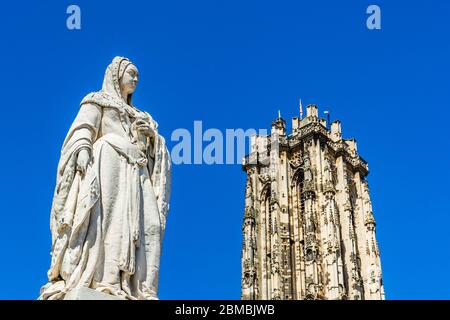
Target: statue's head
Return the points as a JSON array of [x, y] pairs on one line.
[[128, 79], [121, 78]]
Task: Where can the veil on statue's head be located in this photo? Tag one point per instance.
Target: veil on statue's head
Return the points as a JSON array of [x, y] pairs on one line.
[[113, 74]]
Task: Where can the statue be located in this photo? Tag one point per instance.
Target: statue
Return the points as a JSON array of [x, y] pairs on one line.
[[111, 198]]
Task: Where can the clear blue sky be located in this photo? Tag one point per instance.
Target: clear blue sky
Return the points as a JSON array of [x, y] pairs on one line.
[[233, 64]]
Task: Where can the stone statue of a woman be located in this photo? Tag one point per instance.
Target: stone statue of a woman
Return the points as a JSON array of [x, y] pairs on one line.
[[111, 198]]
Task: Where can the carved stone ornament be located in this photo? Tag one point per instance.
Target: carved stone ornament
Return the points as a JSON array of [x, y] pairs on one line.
[[296, 160]]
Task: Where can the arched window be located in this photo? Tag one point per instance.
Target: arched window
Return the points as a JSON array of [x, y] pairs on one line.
[[264, 240], [298, 184]]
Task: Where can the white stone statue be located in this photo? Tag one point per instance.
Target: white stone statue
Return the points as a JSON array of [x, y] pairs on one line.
[[111, 198]]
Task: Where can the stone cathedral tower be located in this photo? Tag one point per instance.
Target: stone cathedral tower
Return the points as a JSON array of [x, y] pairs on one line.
[[309, 230]]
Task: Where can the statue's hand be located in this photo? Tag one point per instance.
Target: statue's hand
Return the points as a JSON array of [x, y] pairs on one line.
[[82, 161], [144, 128]]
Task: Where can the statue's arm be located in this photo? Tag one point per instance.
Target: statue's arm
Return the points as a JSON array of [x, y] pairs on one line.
[[75, 154], [86, 129]]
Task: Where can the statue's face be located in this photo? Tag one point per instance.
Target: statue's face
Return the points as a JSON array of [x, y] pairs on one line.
[[129, 79]]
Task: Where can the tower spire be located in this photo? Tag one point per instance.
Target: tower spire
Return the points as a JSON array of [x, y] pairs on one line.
[[301, 109], [327, 113]]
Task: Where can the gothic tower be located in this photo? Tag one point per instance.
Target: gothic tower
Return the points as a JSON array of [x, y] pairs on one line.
[[309, 230]]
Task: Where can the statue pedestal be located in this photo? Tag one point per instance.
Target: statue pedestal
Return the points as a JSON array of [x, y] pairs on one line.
[[89, 294]]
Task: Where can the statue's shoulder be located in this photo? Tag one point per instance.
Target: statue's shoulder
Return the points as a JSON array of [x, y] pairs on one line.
[[100, 98]]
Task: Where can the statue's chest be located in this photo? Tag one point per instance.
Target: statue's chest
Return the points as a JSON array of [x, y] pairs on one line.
[[120, 121], [114, 121]]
